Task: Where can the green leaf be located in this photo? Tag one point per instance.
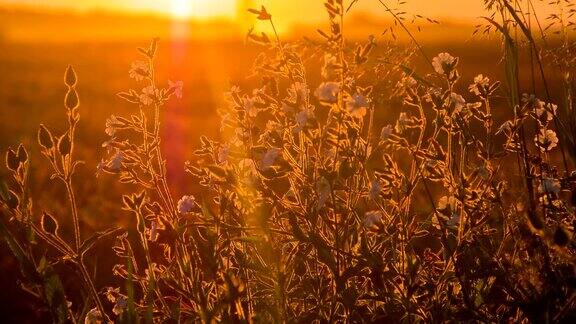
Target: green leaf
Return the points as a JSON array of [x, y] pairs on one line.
[[55, 295]]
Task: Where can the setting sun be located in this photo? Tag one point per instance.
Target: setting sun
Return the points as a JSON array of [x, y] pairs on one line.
[[202, 9]]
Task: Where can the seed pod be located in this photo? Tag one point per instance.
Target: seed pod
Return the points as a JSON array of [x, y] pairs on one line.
[[22, 154], [64, 145], [70, 76], [71, 101], [45, 138], [12, 161], [49, 223], [153, 47]]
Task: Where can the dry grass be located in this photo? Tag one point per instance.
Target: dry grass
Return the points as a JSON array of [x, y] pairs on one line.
[[355, 190]]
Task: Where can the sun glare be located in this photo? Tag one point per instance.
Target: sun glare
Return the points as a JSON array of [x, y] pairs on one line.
[[203, 9]]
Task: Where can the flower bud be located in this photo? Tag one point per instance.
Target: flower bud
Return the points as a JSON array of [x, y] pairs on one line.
[[71, 101], [70, 76], [64, 145], [49, 223], [45, 138], [12, 161]]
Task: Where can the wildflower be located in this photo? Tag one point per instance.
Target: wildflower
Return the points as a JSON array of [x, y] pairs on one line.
[[240, 136], [301, 120], [139, 70], [111, 293], [372, 219], [444, 63], [330, 67], [111, 125], [375, 189], [323, 189], [546, 112], [328, 92], [94, 317], [357, 105], [269, 157], [149, 95], [386, 132], [550, 186], [546, 140], [298, 92], [448, 206], [120, 305], [250, 106], [480, 86], [116, 162], [176, 87], [531, 101], [457, 101], [186, 204], [223, 154]]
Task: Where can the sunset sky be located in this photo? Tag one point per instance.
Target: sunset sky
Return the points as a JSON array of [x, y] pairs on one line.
[[292, 11]]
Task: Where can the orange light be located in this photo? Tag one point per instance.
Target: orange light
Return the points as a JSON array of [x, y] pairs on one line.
[[202, 9]]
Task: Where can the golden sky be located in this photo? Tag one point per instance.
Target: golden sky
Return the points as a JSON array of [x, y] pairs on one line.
[[291, 10]]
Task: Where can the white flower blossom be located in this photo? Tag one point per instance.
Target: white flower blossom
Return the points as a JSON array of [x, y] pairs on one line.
[[444, 63], [301, 120], [550, 186], [223, 153], [111, 125], [269, 157], [298, 92], [357, 105], [546, 111], [250, 106], [120, 305], [386, 132], [546, 140], [328, 92], [372, 219], [115, 163], [139, 70], [149, 95], [375, 189], [449, 207], [94, 317], [176, 86], [480, 85], [330, 68], [186, 204]]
